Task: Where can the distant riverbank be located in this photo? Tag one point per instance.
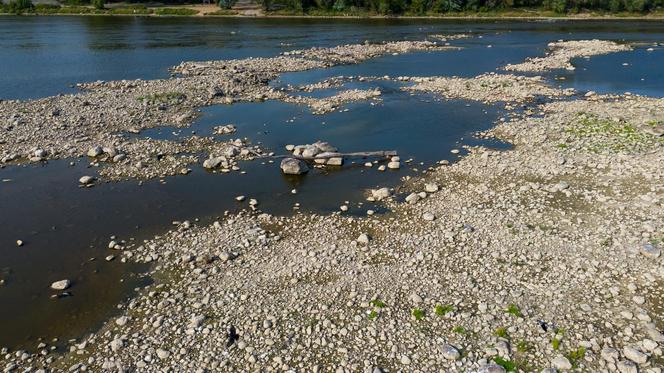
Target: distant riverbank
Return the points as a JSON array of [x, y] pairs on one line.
[[211, 10]]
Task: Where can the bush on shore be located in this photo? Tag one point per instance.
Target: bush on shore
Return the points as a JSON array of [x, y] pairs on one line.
[[98, 4], [18, 7], [463, 7]]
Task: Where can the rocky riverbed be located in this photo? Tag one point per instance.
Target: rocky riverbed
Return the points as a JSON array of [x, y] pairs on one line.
[[546, 257], [69, 126], [561, 53]]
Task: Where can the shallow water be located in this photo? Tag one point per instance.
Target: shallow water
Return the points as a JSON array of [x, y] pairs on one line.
[[65, 226]]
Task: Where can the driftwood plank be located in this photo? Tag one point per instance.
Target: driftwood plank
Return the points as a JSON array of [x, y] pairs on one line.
[[382, 153]]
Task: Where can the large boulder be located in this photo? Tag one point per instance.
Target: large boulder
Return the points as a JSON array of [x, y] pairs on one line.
[[212, 162], [310, 151], [325, 147], [292, 166]]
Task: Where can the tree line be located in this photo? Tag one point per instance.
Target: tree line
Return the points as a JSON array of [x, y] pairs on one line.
[[390, 7], [422, 7]]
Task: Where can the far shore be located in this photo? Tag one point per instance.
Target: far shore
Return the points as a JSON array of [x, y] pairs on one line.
[[212, 11]]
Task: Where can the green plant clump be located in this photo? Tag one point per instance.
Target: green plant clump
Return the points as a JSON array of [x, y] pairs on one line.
[[442, 310], [513, 309], [575, 355], [417, 313], [502, 333], [507, 364]]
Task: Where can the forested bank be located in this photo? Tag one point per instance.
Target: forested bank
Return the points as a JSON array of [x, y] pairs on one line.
[[361, 8], [464, 7]]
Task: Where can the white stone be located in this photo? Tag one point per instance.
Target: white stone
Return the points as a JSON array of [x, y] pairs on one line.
[[61, 285]]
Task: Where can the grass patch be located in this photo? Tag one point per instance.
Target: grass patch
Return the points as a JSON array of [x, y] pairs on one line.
[[507, 364], [162, 98], [523, 346], [373, 315], [502, 333], [377, 303], [608, 136], [222, 12], [460, 330], [175, 12], [557, 340], [442, 310], [131, 9], [513, 309], [575, 355], [417, 313]]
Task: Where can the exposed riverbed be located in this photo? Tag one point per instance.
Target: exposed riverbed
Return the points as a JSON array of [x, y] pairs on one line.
[[63, 226]]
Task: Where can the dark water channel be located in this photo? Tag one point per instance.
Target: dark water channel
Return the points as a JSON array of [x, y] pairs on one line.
[[64, 227]]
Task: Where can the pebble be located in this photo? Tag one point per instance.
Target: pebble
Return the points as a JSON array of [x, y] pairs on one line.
[[431, 187], [413, 198], [626, 366], [561, 363], [363, 239], [86, 180], [428, 216], [450, 352], [61, 285], [635, 355], [650, 251], [121, 321], [163, 354]]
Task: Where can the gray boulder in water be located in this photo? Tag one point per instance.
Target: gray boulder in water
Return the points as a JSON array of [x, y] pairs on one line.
[[292, 166]]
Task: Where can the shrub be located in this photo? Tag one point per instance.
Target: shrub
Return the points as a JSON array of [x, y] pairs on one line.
[[20, 6], [98, 4]]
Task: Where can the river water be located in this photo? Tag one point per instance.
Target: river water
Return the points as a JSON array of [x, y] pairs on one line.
[[66, 229]]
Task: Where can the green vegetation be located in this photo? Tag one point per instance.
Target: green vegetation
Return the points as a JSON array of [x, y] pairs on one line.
[[367, 8], [17, 7], [604, 135], [417, 313], [137, 9], [377, 303], [523, 346], [513, 309], [502, 333], [89, 7], [442, 310], [175, 12], [222, 12], [557, 339], [458, 7], [508, 365], [460, 330], [162, 98], [576, 355], [98, 4], [373, 315]]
